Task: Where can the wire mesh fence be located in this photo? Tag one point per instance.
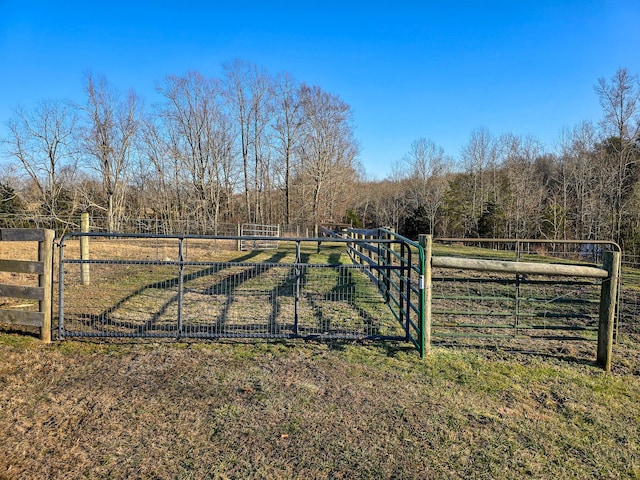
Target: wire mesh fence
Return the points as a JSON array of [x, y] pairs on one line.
[[548, 307], [191, 287]]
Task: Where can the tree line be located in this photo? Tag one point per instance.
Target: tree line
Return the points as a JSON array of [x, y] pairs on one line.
[[246, 147], [510, 186], [260, 148]]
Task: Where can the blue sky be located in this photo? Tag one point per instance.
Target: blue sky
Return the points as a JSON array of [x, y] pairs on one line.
[[408, 69]]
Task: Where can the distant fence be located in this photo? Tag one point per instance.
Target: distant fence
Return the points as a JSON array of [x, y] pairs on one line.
[[42, 293], [140, 225], [267, 236]]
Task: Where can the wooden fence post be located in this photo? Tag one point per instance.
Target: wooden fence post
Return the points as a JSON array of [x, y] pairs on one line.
[[426, 242], [608, 309], [45, 256], [85, 275]]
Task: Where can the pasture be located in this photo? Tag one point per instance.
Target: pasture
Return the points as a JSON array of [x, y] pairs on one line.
[[331, 409]]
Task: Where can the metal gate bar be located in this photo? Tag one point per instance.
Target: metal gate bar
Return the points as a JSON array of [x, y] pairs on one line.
[[182, 287]]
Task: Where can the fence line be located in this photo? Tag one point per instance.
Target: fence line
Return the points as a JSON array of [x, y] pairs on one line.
[[294, 291], [402, 271], [608, 296], [139, 225]]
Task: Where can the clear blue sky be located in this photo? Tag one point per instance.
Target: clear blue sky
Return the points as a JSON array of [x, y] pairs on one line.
[[409, 69]]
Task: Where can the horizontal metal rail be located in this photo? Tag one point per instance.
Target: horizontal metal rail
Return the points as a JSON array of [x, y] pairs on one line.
[[536, 304], [402, 286]]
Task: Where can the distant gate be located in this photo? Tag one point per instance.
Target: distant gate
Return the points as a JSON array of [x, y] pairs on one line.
[[186, 287], [259, 237]]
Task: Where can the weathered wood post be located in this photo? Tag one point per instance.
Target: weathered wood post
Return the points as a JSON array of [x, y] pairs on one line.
[[43, 268], [85, 275], [426, 242], [45, 256], [239, 240], [606, 319]]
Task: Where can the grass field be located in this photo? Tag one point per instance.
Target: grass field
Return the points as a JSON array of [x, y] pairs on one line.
[[315, 410], [312, 410]]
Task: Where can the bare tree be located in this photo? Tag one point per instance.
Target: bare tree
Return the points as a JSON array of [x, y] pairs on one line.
[[525, 191], [42, 141], [198, 138], [427, 168], [111, 128], [328, 149], [164, 185], [586, 182], [247, 89], [620, 101], [390, 198], [479, 158], [287, 128]]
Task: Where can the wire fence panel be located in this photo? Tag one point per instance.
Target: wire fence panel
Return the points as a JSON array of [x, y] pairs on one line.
[[189, 287], [472, 304], [629, 307], [265, 236]]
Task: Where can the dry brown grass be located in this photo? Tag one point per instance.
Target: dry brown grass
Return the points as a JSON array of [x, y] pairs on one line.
[[308, 410], [18, 251]]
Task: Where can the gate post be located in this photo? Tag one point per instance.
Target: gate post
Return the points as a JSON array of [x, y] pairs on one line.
[[607, 314], [45, 280], [426, 242]]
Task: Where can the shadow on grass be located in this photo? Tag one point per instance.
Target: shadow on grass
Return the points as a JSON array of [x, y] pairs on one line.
[[103, 318]]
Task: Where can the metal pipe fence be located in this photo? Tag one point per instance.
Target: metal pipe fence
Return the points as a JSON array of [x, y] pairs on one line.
[[399, 266], [191, 287], [502, 288]]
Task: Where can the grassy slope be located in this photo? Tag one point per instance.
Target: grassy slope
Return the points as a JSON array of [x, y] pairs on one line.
[[309, 410]]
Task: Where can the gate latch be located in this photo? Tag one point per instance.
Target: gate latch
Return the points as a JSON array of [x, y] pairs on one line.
[[421, 282]]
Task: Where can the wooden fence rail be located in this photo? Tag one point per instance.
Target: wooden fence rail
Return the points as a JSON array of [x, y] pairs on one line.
[[526, 268], [43, 268]]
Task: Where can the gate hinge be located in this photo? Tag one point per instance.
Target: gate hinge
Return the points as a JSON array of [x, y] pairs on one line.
[[421, 282]]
